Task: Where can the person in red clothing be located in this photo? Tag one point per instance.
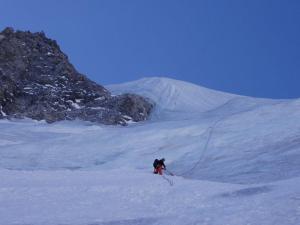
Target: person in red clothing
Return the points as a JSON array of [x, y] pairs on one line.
[[159, 166]]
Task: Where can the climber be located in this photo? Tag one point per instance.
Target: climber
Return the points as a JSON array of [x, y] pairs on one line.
[[159, 166]]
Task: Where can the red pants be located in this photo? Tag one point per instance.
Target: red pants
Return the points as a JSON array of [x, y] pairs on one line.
[[158, 170]]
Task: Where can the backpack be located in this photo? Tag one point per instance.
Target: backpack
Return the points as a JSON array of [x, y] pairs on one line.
[[155, 163]]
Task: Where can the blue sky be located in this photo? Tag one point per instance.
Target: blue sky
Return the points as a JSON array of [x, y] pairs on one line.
[[245, 47]]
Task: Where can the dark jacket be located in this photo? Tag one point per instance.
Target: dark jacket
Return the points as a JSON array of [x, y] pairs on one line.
[[159, 162]]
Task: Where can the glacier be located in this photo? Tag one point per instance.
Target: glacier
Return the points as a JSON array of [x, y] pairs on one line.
[[236, 161]]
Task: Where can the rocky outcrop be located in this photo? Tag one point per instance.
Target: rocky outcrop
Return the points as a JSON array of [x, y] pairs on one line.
[[38, 81]]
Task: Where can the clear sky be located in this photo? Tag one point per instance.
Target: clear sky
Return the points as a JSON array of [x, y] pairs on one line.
[[249, 47]]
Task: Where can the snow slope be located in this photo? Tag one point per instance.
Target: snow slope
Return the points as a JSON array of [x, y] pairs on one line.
[[174, 95], [130, 197], [236, 161], [174, 98]]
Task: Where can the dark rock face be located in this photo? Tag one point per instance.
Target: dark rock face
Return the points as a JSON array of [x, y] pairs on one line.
[[37, 81]]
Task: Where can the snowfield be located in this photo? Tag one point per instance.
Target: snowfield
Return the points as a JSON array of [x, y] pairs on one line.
[[236, 161]]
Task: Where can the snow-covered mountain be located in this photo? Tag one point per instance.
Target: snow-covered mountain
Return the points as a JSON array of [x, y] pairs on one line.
[[236, 161], [174, 95], [179, 99]]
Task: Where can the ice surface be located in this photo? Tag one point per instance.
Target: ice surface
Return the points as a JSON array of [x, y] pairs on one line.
[[236, 161]]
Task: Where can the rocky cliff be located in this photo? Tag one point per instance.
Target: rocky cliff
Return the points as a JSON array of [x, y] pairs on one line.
[[37, 81]]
